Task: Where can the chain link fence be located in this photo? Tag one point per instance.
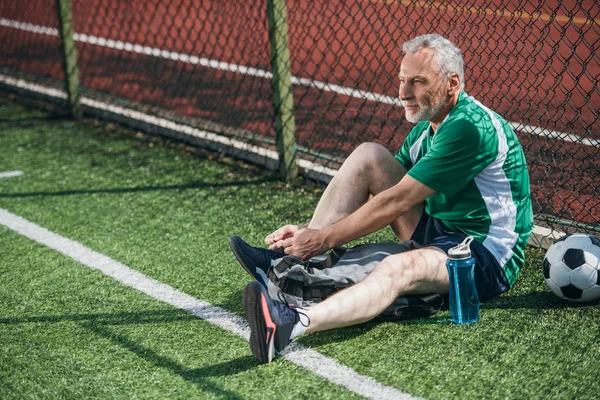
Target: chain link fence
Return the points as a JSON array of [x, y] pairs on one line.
[[200, 66]]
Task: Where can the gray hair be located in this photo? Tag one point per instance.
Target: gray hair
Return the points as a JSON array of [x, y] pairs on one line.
[[447, 55]]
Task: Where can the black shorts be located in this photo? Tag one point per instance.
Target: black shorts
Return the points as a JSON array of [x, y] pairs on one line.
[[489, 277]]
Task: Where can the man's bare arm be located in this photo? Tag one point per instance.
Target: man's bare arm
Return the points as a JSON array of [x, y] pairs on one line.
[[374, 215]]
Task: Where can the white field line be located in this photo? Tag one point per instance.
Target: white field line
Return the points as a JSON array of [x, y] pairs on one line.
[[241, 69], [304, 357], [10, 174]]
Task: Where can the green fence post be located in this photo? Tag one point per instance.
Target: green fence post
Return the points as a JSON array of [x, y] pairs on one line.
[[285, 124], [69, 56]]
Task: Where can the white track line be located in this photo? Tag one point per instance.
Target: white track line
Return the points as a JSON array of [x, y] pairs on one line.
[[241, 69], [10, 174], [304, 357]]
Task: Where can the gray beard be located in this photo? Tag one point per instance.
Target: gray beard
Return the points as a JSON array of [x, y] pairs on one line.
[[425, 113]]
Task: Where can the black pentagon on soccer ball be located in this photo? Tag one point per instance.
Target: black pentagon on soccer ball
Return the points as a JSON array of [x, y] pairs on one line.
[[573, 258], [546, 268], [571, 292], [595, 240]]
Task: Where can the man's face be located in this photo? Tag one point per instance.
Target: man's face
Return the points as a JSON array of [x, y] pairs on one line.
[[422, 87]]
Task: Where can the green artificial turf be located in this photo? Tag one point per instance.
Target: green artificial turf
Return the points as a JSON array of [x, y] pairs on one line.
[[70, 332], [167, 210]]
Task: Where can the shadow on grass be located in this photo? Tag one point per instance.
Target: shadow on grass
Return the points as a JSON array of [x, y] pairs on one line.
[[351, 332], [532, 301], [124, 318], [29, 122], [196, 376], [233, 302], [100, 323], [194, 185]]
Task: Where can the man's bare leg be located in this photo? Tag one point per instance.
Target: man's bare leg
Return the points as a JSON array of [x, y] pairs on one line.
[[369, 170], [273, 324], [418, 271]]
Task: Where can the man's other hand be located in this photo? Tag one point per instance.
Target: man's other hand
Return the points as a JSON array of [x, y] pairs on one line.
[[275, 240]]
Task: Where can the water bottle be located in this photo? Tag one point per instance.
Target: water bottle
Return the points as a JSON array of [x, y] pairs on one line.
[[464, 301]]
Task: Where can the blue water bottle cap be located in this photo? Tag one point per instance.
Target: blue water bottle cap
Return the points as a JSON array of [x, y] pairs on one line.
[[461, 251]]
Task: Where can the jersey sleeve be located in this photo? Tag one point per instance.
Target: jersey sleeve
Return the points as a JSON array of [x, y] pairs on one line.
[[403, 155], [456, 156]]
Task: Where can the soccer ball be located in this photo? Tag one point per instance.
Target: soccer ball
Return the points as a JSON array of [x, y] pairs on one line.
[[572, 267]]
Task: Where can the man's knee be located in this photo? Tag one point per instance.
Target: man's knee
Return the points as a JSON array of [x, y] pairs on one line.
[[416, 271], [370, 152], [396, 268], [378, 165]]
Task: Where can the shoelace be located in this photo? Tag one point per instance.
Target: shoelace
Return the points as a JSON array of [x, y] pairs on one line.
[[272, 254], [290, 310]]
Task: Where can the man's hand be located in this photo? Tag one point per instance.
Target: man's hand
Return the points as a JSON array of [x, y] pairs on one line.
[[306, 243], [275, 239]]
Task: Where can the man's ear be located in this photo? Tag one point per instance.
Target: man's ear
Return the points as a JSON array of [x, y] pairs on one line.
[[453, 84]]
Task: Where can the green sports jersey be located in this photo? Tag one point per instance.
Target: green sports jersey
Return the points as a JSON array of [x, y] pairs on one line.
[[475, 163]]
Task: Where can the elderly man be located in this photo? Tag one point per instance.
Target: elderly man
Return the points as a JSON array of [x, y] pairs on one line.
[[461, 171]]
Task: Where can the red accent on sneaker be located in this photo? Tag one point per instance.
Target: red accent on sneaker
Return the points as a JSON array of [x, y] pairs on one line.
[[271, 327]]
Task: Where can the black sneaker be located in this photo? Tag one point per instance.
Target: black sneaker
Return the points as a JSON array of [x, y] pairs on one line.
[[271, 322], [254, 259]]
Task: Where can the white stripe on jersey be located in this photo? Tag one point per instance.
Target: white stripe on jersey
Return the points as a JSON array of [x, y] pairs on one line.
[[495, 190], [414, 149]]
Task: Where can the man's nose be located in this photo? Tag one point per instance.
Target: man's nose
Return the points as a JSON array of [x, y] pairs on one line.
[[405, 93]]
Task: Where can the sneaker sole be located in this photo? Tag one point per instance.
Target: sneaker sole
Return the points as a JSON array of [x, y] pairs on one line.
[[236, 252], [262, 328]]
